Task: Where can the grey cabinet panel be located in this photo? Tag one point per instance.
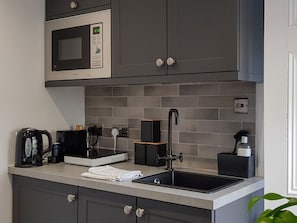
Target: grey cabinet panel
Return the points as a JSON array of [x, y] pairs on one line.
[[163, 212], [206, 38], [104, 207], [36, 201], [237, 210], [139, 36], [61, 8], [202, 35]]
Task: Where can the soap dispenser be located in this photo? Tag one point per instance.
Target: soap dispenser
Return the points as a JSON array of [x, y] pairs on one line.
[[244, 148]]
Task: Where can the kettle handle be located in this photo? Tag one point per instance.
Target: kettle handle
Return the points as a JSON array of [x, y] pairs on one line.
[[44, 132]]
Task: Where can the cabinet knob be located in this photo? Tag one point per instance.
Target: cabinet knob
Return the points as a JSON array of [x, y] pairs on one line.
[[73, 4], [128, 209], [159, 62], [170, 61], [71, 198], [139, 212]]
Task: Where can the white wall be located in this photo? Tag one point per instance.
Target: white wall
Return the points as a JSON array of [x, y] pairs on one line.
[[23, 99], [275, 97]]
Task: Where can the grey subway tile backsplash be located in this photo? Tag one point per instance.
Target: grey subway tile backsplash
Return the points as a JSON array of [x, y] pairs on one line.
[[162, 90], [207, 121], [128, 91], [143, 102], [199, 138], [216, 101], [127, 112], [187, 149], [199, 114], [91, 111], [199, 89], [180, 102], [237, 88], [219, 126], [228, 114], [106, 101], [156, 113], [98, 91]]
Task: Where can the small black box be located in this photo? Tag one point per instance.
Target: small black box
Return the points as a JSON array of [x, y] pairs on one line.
[[233, 165], [153, 151], [147, 153], [73, 142], [150, 130], [140, 154]]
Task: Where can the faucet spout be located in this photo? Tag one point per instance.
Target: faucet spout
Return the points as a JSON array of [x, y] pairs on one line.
[[169, 158]]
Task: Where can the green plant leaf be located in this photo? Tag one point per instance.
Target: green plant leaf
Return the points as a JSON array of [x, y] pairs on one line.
[[272, 196], [264, 219], [285, 216], [268, 196], [252, 202]]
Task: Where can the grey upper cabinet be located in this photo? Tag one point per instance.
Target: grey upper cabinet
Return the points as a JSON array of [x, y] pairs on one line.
[[63, 8], [36, 201], [139, 37], [177, 41], [201, 38]]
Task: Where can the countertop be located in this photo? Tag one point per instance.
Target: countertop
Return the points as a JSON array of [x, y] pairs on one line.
[[71, 174]]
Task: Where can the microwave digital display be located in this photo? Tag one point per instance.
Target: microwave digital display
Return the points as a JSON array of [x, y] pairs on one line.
[[96, 30]]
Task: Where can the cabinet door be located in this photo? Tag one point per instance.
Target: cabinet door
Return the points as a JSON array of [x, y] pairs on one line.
[[138, 37], [161, 212], [105, 207], [36, 201], [203, 35], [62, 8]]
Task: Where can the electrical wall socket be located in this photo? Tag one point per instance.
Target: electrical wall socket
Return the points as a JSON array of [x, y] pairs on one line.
[[95, 131], [123, 131], [241, 105]]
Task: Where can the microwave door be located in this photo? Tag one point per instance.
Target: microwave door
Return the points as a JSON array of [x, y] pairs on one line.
[[70, 48]]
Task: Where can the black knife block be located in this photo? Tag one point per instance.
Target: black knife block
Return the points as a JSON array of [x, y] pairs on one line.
[[233, 165]]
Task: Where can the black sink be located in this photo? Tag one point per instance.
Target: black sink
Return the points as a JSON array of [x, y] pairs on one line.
[[189, 181]]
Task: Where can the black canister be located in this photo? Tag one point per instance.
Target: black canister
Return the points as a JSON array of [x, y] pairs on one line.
[[57, 155]]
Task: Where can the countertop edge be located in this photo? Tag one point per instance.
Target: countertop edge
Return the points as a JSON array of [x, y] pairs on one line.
[[69, 174]]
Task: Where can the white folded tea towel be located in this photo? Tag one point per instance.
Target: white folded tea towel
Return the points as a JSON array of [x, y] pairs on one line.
[[111, 173]]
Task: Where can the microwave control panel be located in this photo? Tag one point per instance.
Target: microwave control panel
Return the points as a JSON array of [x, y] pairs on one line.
[[96, 45]]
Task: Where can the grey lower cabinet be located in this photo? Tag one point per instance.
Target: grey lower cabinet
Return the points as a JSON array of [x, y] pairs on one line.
[[160, 37], [105, 207], [150, 211], [36, 201]]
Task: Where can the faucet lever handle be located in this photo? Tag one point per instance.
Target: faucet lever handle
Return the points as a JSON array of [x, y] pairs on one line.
[[181, 157]]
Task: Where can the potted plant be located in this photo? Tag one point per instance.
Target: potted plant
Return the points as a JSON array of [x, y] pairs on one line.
[[277, 215]]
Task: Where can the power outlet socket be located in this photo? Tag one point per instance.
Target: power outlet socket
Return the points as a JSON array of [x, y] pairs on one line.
[[95, 131], [123, 131], [241, 105]]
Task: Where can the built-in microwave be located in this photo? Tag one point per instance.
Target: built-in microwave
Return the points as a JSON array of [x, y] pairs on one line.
[[78, 47]]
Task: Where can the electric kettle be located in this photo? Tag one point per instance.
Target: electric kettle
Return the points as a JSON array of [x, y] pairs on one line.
[[29, 147]]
